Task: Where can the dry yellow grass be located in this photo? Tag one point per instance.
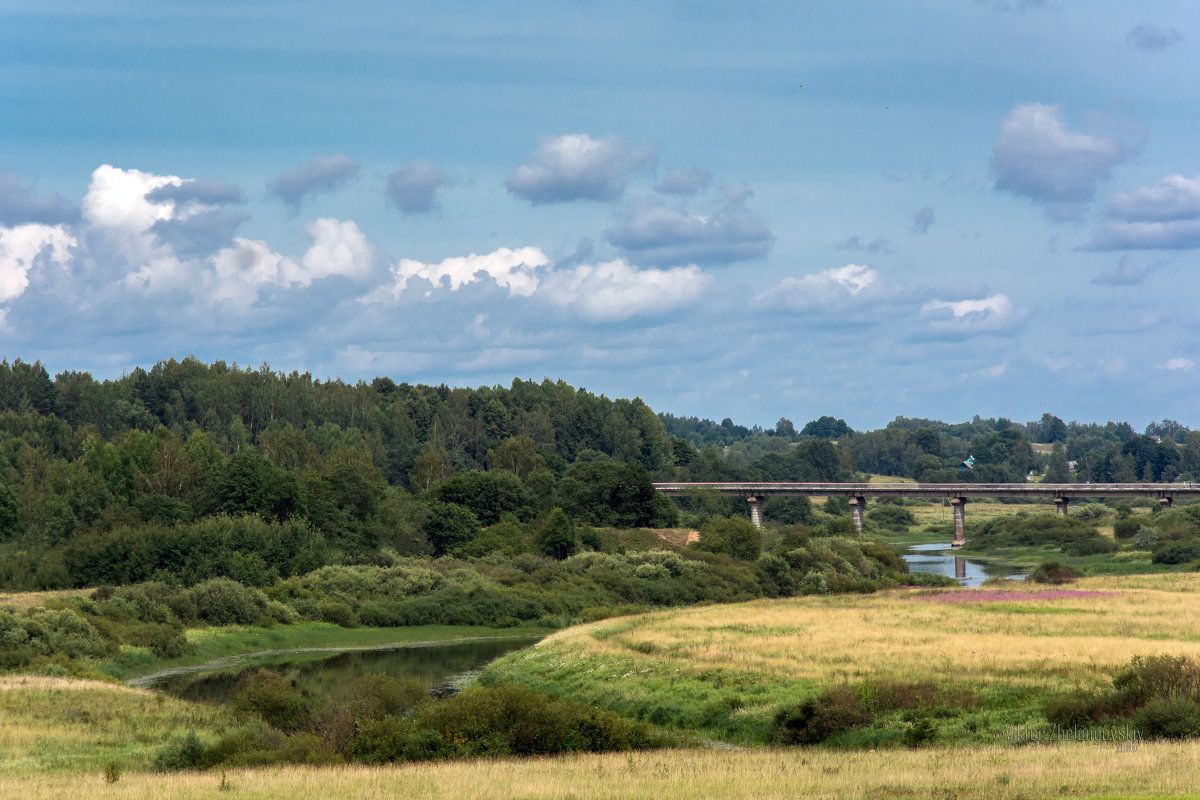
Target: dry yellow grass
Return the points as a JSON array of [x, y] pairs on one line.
[[1074, 770], [21, 601], [1058, 641]]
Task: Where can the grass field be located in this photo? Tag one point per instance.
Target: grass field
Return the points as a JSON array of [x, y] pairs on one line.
[[726, 670], [991, 773]]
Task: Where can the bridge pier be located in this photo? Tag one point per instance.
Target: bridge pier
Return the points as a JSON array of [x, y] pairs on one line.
[[858, 508], [755, 510], [959, 505], [1062, 505]]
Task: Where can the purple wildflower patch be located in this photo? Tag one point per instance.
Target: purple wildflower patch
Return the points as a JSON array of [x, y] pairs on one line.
[[979, 596]]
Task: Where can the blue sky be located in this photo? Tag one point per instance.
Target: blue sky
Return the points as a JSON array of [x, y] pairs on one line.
[[755, 210]]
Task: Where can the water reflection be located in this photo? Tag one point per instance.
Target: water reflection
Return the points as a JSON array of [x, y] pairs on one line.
[[928, 558], [434, 666]]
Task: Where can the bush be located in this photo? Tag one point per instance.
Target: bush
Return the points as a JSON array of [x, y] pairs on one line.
[[1093, 545], [222, 601], [182, 752], [269, 696], [1054, 572], [815, 720], [892, 516], [1176, 552], [1168, 718], [733, 536], [1076, 708], [1125, 528]]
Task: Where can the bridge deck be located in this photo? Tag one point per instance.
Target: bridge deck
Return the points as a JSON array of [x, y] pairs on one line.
[[1029, 490]]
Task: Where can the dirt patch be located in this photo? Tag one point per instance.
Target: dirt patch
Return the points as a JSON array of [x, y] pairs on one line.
[[677, 537]]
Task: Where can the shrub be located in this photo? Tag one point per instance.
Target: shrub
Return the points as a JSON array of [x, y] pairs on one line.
[[1168, 718], [182, 752], [892, 516], [276, 701], [1146, 538], [1076, 708], [732, 536], [1126, 527], [1090, 511], [1054, 572], [222, 601], [815, 720], [1092, 545], [1176, 552]]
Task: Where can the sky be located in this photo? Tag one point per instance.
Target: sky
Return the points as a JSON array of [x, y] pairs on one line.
[[936, 208]]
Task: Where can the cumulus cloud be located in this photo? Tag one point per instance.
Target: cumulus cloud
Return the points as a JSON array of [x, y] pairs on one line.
[[1165, 216], [1038, 158], [413, 188], [607, 291], [879, 244], [338, 248], [966, 318], [241, 271], [1151, 37], [923, 220], [23, 247], [577, 167], [320, 174], [514, 269], [616, 290], [1182, 364], [119, 218], [833, 288], [684, 181], [652, 233], [20, 204]]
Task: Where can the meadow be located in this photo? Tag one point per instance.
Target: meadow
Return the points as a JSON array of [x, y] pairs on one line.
[[975, 661]]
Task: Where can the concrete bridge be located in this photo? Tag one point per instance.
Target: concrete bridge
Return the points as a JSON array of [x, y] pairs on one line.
[[957, 493]]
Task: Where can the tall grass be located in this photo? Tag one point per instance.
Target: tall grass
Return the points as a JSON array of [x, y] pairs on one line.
[[994, 773], [729, 669]]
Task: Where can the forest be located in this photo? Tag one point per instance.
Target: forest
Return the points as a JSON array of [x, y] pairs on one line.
[[191, 471]]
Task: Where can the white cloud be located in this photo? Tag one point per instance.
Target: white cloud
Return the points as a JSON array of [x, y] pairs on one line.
[[338, 248], [617, 290], [606, 291], [242, 269], [1183, 364], [516, 270], [964, 318], [830, 288], [20, 249], [577, 167], [1037, 157]]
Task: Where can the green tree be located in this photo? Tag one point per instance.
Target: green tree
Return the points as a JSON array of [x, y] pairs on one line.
[[557, 537], [733, 536]]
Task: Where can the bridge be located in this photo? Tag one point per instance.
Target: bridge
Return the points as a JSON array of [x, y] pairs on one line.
[[958, 494]]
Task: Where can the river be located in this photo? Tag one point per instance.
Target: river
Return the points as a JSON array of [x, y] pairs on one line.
[[930, 558], [438, 666]]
